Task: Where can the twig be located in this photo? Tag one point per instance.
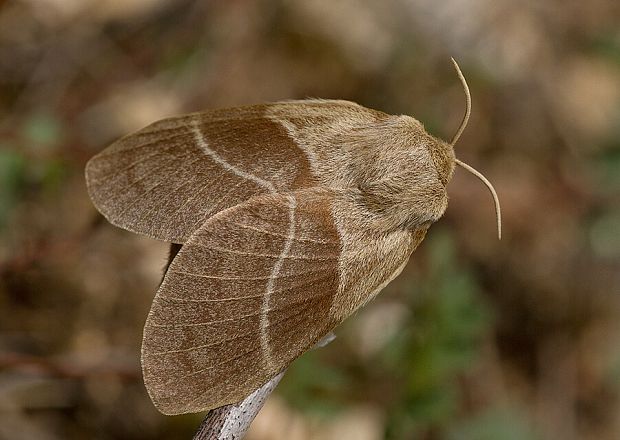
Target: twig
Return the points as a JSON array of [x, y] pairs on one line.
[[231, 422]]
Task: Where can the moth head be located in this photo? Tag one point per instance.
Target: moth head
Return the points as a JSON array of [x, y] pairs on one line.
[[469, 168]]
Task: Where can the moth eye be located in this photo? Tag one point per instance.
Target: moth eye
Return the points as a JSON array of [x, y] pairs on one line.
[[442, 155]]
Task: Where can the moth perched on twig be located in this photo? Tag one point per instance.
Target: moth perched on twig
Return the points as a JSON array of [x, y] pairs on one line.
[[292, 215]]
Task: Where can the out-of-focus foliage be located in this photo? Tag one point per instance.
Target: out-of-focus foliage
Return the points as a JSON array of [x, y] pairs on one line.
[[12, 175], [437, 342], [478, 339]]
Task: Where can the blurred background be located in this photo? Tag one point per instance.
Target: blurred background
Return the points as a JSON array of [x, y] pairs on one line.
[[478, 339]]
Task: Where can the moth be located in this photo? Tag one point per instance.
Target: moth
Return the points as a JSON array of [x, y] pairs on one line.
[[291, 216]]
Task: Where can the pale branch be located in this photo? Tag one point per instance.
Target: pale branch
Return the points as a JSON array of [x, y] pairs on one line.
[[231, 422]]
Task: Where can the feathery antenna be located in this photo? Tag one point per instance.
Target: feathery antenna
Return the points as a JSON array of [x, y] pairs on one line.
[[468, 105]]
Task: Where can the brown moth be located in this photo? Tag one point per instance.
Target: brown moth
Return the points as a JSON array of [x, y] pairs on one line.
[[292, 215]]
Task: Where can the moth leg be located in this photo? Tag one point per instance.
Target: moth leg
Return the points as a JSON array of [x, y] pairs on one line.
[[326, 340]]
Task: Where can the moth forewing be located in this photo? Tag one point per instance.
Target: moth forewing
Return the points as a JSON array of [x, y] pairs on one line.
[[166, 179]]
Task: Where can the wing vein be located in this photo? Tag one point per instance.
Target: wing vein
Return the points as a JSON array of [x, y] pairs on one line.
[[118, 172], [226, 361], [275, 234], [122, 190], [255, 254], [261, 278], [198, 347], [237, 318], [183, 126], [291, 287], [214, 205], [126, 149], [137, 199], [169, 194]]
